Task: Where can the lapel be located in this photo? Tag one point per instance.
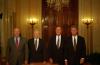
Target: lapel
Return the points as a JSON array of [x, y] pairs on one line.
[[20, 43], [71, 43], [62, 41], [78, 40], [38, 45], [13, 42], [54, 38], [33, 44]]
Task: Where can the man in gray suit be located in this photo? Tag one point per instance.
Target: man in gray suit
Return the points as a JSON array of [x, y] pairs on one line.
[[17, 51]]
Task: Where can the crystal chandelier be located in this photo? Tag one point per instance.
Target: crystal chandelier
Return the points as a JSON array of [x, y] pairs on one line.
[[57, 4]]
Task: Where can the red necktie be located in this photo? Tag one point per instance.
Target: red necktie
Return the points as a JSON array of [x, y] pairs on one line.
[[17, 42]]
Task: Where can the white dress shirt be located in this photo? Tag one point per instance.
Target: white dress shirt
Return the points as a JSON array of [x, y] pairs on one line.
[[37, 42], [59, 39], [76, 38], [18, 38]]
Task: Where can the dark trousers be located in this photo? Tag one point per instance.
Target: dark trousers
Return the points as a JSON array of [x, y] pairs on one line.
[[18, 62], [59, 62], [74, 62]]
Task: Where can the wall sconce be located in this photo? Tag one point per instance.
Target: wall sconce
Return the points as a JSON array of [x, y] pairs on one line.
[[32, 22], [88, 22]]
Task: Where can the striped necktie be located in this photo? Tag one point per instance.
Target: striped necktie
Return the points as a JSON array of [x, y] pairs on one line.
[[75, 44], [36, 44]]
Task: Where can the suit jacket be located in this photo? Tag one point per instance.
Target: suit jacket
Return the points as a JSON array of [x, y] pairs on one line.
[[54, 52], [17, 55], [36, 55], [71, 55]]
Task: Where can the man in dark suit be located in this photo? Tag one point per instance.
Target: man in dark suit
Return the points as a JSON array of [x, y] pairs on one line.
[[55, 47], [17, 49], [36, 48], [75, 48]]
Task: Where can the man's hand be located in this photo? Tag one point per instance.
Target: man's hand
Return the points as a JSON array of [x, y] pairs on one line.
[[66, 62], [26, 62], [31, 64], [51, 60], [82, 60], [7, 63]]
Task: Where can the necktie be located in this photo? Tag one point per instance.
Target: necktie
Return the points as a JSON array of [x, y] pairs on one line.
[[58, 44], [74, 43], [17, 44], [36, 44]]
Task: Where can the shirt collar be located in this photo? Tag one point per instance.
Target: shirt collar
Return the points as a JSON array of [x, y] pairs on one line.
[[74, 36], [16, 37], [58, 35], [36, 38]]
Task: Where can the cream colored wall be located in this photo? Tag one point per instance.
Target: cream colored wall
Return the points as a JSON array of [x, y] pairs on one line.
[[23, 10], [86, 9], [28, 9]]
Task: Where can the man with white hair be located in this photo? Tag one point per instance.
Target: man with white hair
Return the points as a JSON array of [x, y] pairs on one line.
[[36, 47]]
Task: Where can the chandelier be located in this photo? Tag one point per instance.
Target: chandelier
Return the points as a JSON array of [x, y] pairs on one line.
[[57, 4]]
